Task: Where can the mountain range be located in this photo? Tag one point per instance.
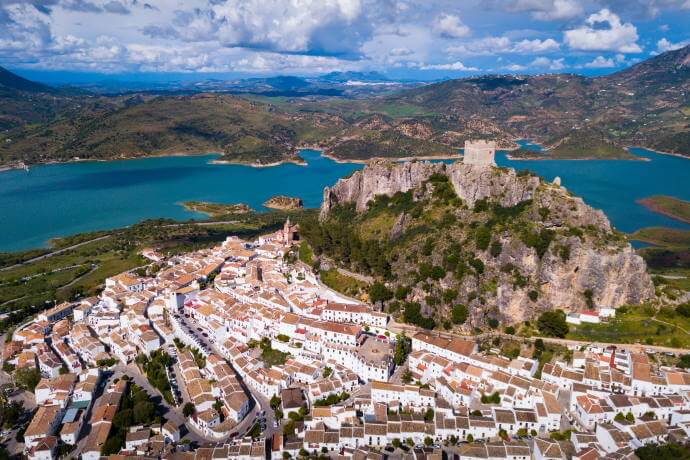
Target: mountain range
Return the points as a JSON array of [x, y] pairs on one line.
[[573, 116]]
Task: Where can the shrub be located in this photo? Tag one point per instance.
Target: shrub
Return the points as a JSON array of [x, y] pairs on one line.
[[552, 323], [378, 292], [482, 237], [683, 309], [496, 248], [478, 265], [188, 409], [459, 314]]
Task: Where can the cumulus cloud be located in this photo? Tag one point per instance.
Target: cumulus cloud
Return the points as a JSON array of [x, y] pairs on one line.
[[600, 62], [459, 66], [449, 25], [515, 67], [321, 27], [551, 64], [664, 45], [503, 45], [604, 31], [547, 10]]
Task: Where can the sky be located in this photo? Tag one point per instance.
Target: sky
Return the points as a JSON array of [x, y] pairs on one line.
[[415, 39]]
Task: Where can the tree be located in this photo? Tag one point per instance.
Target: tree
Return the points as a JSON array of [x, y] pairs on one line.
[[493, 323], [396, 443], [684, 362], [10, 413], [429, 415], [552, 323], [630, 417], [144, 412], [123, 419], [112, 445], [27, 378], [403, 346], [509, 330], [522, 432], [378, 292], [275, 402], [620, 418], [327, 371], [669, 451], [459, 314], [188, 409], [289, 428], [684, 309], [407, 376], [428, 441], [469, 438]]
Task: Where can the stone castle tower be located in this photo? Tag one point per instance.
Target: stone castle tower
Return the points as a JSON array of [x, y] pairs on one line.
[[480, 153]]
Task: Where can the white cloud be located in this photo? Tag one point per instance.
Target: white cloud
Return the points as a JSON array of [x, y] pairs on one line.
[[600, 62], [536, 46], [604, 31], [503, 45], [664, 45], [515, 67], [547, 10], [450, 66], [551, 64], [294, 26], [450, 26]]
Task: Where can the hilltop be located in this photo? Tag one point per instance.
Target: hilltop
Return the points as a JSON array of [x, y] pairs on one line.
[[647, 104], [573, 116], [483, 243]]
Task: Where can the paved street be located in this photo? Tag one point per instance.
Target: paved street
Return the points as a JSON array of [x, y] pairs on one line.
[[259, 402]]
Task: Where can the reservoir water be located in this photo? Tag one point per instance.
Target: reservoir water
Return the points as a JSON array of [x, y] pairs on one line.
[[64, 199]]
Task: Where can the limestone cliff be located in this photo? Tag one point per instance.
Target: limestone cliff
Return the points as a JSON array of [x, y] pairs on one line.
[[506, 244]]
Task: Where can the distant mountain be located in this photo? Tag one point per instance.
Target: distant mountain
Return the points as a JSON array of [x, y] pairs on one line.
[[647, 104], [24, 102], [11, 81], [357, 76], [576, 117]]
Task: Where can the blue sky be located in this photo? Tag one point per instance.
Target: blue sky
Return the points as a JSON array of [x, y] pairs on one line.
[[417, 39]]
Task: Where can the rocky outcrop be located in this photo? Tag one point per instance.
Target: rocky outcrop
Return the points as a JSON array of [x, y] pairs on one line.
[[283, 203], [378, 178], [583, 257], [504, 186], [615, 276]]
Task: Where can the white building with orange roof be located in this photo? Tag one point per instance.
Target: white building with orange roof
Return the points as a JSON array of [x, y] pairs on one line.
[[353, 313], [407, 395], [453, 348]]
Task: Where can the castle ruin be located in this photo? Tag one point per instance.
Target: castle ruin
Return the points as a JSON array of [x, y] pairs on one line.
[[480, 153]]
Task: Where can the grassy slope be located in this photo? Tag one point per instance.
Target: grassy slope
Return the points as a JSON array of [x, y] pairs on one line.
[[638, 325], [241, 130], [668, 206]]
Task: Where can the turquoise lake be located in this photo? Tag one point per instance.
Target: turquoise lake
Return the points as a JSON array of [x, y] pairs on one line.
[[63, 199]]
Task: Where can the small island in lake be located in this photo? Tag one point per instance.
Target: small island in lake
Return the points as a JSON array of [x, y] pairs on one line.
[[577, 146], [662, 236], [668, 206], [216, 209], [283, 203]]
